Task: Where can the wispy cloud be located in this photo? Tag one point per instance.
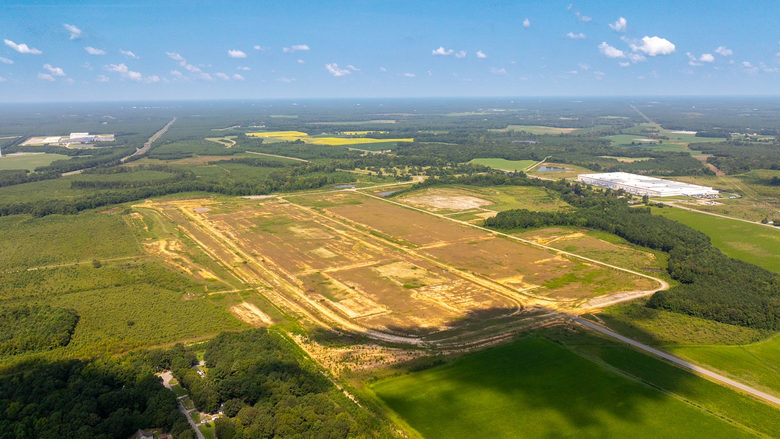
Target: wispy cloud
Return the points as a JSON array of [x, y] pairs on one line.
[[724, 51], [22, 48], [441, 51], [221, 75], [526, 23], [244, 68], [460, 54], [334, 70], [286, 79], [46, 77], [409, 75], [74, 32], [124, 71], [128, 53], [2, 79], [259, 48], [577, 36], [296, 48], [187, 66], [481, 54], [619, 25], [610, 52], [93, 51], [103, 78], [54, 71], [498, 71], [238, 77], [233, 53], [6, 60]]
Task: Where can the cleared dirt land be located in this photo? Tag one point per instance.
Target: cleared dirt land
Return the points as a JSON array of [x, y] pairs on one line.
[[348, 261]]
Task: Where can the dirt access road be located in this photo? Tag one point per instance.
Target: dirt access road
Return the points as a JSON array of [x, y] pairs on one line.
[[682, 363]]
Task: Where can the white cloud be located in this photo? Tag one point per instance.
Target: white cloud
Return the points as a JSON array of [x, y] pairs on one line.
[[221, 75], [583, 66], [724, 51], [460, 54], [54, 71], [258, 47], [128, 53], [500, 71], [46, 77], [610, 52], [636, 57], [582, 18], [654, 46], [526, 23], [409, 75], [481, 54], [768, 69], [286, 79], [102, 78], [152, 79], [6, 60], [619, 25], [2, 79], [624, 63], [295, 48], [334, 70], [301, 61], [175, 56], [22, 48], [233, 53], [706, 57], [573, 72], [599, 75], [93, 51], [442, 51], [383, 69], [238, 77], [177, 74], [353, 68], [749, 67], [577, 36], [124, 71], [73, 30], [244, 68]]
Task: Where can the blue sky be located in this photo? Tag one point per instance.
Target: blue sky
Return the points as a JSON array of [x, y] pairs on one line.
[[160, 50]]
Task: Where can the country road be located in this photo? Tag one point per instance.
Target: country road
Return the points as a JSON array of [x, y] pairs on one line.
[[673, 204], [148, 144], [680, 362]]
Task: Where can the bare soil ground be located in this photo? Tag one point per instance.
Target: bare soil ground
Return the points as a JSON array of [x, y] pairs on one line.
[[449, 202], [251, 314]]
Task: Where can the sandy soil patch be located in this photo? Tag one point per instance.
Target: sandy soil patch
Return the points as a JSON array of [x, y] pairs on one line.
[[449, 202], [249, 313]]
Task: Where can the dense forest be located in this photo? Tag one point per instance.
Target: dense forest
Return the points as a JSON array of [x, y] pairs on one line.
[[265, 390], [85, 399], [737, 157]]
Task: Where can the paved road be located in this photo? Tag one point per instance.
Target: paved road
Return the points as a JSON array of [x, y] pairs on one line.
[[680, 362], [189, 419], [673, 204]]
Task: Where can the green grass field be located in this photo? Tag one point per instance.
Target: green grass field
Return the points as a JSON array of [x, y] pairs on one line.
[[28, 161], [748, 242], [535, 387], [503, 164], [538, 129]]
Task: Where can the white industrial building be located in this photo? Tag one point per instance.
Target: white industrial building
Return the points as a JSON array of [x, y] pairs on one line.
[[643, 185]]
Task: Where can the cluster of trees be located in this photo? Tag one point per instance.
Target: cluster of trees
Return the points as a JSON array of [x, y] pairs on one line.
[[79, 399], [177, 174], [736, 157], [712, 285], [32, 328], [265, 390]]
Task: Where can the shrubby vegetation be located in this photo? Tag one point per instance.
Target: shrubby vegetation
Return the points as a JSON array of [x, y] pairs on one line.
[[33, 328], [736, 157]]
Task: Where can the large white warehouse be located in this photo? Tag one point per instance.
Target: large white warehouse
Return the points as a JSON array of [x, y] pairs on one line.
[[643, 185]]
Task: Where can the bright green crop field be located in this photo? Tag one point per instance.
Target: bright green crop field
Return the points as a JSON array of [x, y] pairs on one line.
[[751, 243], [503, 164], [535, 387], [28, 161]]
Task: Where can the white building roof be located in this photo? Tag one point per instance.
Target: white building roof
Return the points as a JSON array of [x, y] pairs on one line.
[[641, 184], [78, 135]]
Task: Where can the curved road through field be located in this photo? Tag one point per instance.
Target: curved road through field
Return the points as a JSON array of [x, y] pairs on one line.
[[680, 362]]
